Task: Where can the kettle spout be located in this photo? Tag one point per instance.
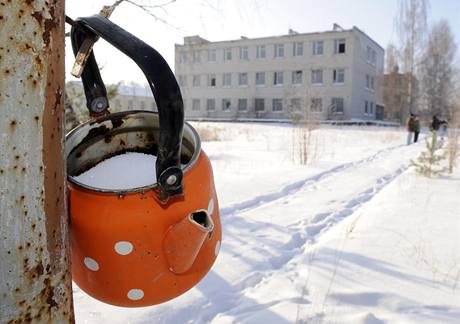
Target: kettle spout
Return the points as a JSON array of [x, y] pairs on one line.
[[183, 240]]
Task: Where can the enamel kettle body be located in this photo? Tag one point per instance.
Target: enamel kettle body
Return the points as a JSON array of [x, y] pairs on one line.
[[141, 246]]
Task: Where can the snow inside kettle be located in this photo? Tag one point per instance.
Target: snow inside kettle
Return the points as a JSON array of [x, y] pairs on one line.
[[125, 171]]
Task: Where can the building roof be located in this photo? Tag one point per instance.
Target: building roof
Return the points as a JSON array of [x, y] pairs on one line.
[[197, 40]]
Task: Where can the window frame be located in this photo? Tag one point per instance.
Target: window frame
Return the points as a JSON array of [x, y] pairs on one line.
[[277, 78], [335, 75], [212, 55], [196, 104], [337, 44], [261, 52], [240, 101], [224, 106], [316, 105], [244, 53], [317, 72], [226, 77], [210, 107], [297, 49], [315, 47], [258, 79], [333, 103], [295, 77], [227, 54], [279, 50], [240, 75], [257, 102], [278, 101]]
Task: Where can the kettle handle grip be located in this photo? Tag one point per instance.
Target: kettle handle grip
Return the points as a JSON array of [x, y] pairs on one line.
[[162, 82]]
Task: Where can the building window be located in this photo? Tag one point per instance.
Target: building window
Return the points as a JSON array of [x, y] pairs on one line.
[[243, 79], [371, 55], [196, 55], [182, 80], [337, 105], [242, 104], [244, 53], [277, 104], [279, 50], [339, 46], [371, 108], [316, 105], [297, 77], [369, 82], [196, 104], [183, 57], [297, 49], [227, 54], [366, 107], [226, 104], [259, 104], [318, 47], [317, 76], [296, 104], [278, 78], [196, 80], [211, 80], [212, 55], [260, 51], [210, 104], [338, 76], [260, 78], [227, 79]]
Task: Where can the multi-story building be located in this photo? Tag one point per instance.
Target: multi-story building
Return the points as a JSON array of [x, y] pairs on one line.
[[326, 75]]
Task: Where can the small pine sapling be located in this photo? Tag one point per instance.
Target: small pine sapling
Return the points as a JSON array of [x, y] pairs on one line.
[[429, 161]]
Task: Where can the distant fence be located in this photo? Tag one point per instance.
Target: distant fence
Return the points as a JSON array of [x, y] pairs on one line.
[[352, 122]]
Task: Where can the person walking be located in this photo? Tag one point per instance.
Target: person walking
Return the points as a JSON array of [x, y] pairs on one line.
[[416, 126], [410, 129]]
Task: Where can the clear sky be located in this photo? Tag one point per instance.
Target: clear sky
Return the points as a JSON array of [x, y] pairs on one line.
[[218, 20]]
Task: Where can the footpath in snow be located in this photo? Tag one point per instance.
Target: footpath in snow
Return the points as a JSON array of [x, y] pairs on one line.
[[356, 237]]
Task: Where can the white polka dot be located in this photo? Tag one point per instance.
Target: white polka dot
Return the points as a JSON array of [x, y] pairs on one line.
[[91, 264], [217, 248], [211, 206], [135, 294], [123, 247]]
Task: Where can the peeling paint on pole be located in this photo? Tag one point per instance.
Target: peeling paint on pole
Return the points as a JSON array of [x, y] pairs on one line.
[[35, 281]]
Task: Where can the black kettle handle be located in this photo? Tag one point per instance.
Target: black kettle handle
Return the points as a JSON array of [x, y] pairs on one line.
[[162, 82]]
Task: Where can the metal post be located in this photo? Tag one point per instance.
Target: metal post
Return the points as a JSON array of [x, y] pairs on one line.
[[35, 280]]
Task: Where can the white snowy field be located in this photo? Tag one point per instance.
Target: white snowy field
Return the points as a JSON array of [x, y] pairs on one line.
[[355, 236]]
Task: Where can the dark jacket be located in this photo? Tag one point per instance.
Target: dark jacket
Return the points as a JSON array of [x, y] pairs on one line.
[[410, 124], [416, 126], [436, 123]]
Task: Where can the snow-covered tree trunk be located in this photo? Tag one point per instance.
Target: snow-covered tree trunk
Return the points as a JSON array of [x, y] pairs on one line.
[[35, 277]]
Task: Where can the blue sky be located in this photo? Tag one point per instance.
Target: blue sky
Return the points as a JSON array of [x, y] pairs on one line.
[[218, 20]]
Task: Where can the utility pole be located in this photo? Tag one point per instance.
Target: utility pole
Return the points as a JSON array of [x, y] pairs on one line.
[[35, 278]]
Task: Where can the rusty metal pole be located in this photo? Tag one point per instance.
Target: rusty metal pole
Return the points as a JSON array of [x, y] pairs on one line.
[[35, 280]]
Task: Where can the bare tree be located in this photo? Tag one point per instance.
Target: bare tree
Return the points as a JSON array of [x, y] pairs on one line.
[[438, 70], [411, 25], [391, 58]]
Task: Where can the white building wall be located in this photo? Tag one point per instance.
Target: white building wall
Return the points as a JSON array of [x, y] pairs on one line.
[[350, 61]]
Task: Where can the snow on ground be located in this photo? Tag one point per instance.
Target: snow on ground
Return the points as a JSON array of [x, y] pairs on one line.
[[356, 236]]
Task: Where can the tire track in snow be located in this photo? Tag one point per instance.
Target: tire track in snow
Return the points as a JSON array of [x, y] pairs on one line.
[[294, 187]]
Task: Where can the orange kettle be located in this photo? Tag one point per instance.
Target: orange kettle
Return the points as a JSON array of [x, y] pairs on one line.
[[147, 245]]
